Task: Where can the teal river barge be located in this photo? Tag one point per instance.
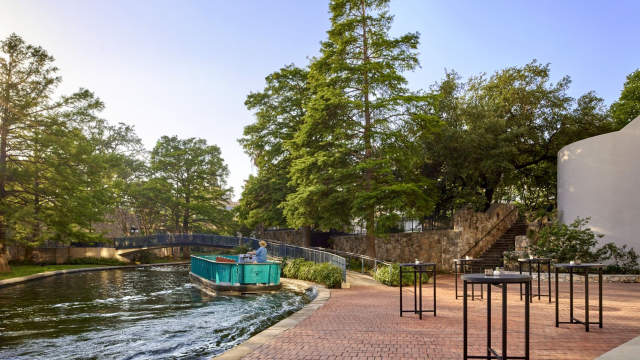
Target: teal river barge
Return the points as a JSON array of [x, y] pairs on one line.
[[228, 274]]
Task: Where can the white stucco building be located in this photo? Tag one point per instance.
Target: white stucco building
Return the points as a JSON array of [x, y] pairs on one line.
[[599, 177]]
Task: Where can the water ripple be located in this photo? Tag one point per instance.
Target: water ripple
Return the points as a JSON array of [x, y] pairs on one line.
[[143, 313]]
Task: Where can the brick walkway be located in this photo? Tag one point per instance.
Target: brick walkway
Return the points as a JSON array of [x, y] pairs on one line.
[[363, 323]]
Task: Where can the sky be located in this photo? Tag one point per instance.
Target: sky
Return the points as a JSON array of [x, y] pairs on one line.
[[185, 67]]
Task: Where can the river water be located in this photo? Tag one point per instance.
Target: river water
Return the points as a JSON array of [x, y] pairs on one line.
[[143, 313]]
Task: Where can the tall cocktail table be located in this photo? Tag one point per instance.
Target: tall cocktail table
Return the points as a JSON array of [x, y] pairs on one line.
[[575, 268], [530, 262], [418, 270], [465, 266], [500, 281]]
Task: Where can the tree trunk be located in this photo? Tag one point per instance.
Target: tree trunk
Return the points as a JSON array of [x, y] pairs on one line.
[[488, 195], [368, 176], [28, 253], [371, 240], [4, 129], [4, 259], [187, 215], [306, 236]]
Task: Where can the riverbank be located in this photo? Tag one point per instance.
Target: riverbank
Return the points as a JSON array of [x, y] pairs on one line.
[[26, 270], [251, 344], [69, 269]]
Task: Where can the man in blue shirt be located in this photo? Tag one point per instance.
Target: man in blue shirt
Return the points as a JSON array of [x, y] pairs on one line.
[[261, 253]]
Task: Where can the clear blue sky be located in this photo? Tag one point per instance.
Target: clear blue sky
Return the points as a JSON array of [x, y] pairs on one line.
[[185, 67]]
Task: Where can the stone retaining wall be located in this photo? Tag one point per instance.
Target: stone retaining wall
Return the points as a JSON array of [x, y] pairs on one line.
[[438, 246], [289, 236], [62, 255]]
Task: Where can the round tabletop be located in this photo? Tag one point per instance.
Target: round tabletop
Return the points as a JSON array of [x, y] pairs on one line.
[[585, 265], [496, 279], [534, 260], [416, 265], [465, 260]]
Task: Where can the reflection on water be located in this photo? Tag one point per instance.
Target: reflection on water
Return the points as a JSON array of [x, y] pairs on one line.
[[146, 313]]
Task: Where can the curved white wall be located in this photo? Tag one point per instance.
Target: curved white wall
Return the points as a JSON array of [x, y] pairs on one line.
[[600, 177]]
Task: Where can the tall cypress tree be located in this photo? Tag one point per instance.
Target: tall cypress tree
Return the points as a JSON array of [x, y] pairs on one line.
[[343, 166], [279, 111]]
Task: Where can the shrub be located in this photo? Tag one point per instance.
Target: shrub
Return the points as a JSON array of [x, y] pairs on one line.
[[577, 242], [567, 242], [625, 261], [325, 273], [355, 264], [95, 261], [511, 258], [390, 275]]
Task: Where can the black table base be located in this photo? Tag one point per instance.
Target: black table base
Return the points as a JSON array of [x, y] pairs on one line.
[[573, 320], [418, 270], [463, 265], [538, 262], [491, 353]]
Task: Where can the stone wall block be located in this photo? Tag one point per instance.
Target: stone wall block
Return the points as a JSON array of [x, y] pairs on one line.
[[522, 243]]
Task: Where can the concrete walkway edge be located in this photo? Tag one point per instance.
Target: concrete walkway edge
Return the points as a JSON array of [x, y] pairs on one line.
[[23, 279], [272, 332], [627, 351]]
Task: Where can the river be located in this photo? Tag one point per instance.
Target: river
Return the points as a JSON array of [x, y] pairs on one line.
[[143, 313]]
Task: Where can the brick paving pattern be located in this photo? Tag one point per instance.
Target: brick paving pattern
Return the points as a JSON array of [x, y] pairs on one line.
[[363, 323]]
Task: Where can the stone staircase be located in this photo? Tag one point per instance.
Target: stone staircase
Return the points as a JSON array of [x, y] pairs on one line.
[[493, 257]]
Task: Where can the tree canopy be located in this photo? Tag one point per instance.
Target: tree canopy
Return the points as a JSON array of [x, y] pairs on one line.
[[346, 143], [627, 107], [64, 170]]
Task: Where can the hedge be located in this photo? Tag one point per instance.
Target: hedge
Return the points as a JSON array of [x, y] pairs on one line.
[[390, 275], [325, 273]]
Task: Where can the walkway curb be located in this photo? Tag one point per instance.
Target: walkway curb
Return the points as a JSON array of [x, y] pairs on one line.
[[626, 351], [23, 279], [269, 334]]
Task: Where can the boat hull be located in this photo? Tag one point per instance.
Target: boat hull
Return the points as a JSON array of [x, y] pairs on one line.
[[231, 289]]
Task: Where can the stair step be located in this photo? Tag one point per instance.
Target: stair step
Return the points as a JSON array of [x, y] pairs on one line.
[[493, 256]]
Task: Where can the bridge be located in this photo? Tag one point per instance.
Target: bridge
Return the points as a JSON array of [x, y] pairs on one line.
[[127, 245]]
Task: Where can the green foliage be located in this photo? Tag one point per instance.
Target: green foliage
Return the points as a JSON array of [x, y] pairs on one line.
[[347, 148], [497, 137], [567, 242], [390, 275], [63, 169], [624, 260], [59, 162], [627, 107], [325, 273], [279, 110], [575, 241], [95, 261], [354, 264], [346, 142], [196, 175]]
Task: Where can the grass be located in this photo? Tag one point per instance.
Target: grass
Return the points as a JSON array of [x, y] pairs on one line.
[[25, 270]]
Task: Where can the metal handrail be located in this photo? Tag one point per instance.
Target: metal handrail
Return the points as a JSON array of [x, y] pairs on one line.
[[283, 250], [277, 249], [490, 231], [361, 257]]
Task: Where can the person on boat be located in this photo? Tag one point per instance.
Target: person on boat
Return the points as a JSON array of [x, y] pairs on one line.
[[261, 253]]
